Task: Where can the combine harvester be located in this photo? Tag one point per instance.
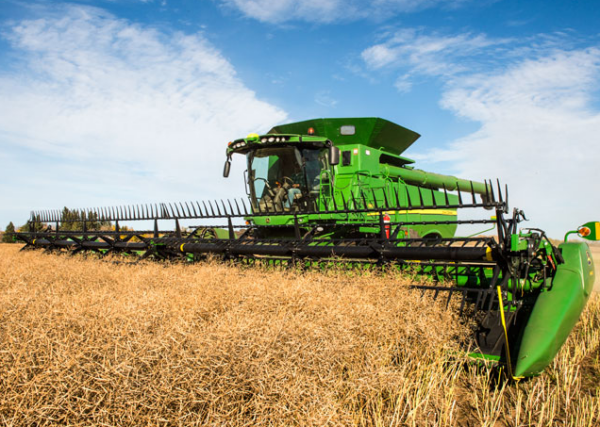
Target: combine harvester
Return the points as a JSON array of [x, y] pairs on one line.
[[339, 190]]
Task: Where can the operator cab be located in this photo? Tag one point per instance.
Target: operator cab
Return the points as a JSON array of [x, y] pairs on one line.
[[286, 178]]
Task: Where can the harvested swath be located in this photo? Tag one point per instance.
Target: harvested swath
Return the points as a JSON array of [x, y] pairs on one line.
[[87, 342]]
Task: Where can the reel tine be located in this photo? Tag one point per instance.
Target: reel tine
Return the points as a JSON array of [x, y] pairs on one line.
[[224, 207], [385, 199], [492, 191], [211, 208], [239, 213], [218, 210], [446, 195], [335, 208], [421, 196], [344, 201], [473, 193], [193, 208], [200, 213], [460, 201], [244, 205], [487, 192], [433, 198], [364, 199], [374, 198], [506, 197], [500, 199]]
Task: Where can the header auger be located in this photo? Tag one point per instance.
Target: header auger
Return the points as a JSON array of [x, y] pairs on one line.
[[338, 190]]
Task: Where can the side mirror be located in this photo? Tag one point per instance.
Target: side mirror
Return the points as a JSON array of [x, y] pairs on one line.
[[227, 168], [590, 230], [334, 155]]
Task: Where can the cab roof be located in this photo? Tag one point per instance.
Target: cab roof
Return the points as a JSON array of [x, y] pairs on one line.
[[374, 132]]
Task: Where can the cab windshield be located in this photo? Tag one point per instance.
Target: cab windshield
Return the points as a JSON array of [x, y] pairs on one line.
[[285, 177]]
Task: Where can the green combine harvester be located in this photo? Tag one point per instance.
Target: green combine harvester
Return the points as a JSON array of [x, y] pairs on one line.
[[327, 191]]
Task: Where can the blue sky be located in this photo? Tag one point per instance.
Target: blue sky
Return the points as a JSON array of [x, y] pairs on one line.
[[131, 101]]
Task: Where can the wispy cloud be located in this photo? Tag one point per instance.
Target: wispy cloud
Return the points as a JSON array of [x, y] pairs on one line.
[[330, 11], [533, 100], [90, 89]]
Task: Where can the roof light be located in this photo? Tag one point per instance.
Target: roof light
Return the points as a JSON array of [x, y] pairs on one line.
[[252, 137], [311, 131], [263, 140]]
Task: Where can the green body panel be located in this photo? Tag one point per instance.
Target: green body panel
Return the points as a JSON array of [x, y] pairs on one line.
[[372, 132], [556, 310], [371, 172]]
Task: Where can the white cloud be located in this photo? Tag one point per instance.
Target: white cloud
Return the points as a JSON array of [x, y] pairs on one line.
[[539, 131], [431, 55], [329, 11], [533, 100], [89, 89]]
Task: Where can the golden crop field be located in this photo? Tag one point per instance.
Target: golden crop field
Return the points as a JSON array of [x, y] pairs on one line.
[[91, 342]]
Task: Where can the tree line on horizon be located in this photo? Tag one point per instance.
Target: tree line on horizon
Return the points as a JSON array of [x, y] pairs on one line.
[[71, 220]]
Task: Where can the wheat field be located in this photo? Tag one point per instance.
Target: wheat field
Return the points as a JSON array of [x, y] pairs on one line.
[[91, 342]]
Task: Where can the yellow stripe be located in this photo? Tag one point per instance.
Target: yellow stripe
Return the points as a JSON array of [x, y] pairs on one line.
[[597, 230], [418, 211], [488, 254], [506, 335], [181, 247]]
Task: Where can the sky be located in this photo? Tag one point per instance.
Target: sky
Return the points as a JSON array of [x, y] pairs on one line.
[[112, 102]]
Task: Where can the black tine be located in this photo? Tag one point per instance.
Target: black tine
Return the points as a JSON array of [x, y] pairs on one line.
[[231, 207], [385, 199], [354, 205], [492, 191], [176, 210], [446, 195], [194, 209], [218, 210], [460, 202], [165, 210], [183, 213], [211, 208], [225, 207], [374, 198], [396, 196], [500, 199], [244, 205], [239, 212], [473, 192], [506, 198], [487, 192], [344, 201], [200, 213], [130, 210], [170, 210], [364, 199], [258, 205], [206, 208], [334, 203], [421, 196], [136, 211], [408, 198], [433, 199]]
